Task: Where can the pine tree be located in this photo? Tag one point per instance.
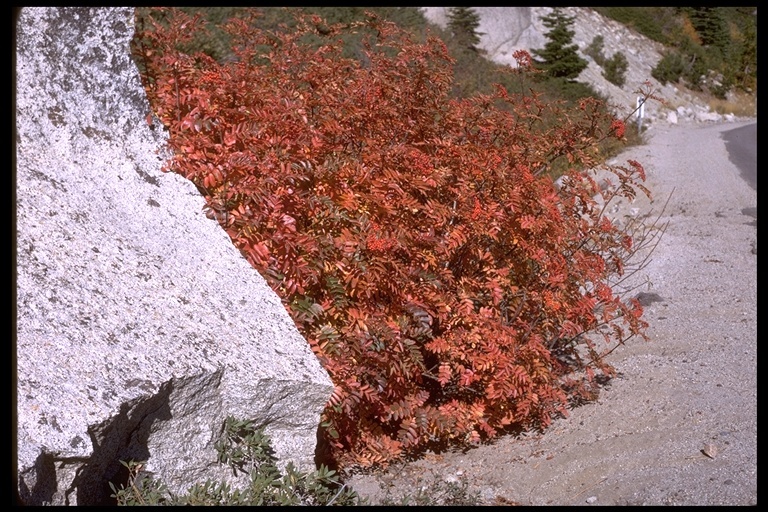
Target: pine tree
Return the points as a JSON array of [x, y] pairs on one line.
[[559, 58], [463, 22], [711, 27], [747, 62]]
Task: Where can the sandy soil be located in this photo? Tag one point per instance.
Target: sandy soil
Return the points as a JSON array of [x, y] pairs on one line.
[[678, 426]]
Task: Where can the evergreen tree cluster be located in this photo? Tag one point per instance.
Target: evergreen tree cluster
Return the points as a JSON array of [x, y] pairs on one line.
[[614, 68], [701, 42], [710, 25]]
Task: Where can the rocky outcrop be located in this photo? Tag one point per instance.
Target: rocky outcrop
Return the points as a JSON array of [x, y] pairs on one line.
[[140, 326], [507, 29]]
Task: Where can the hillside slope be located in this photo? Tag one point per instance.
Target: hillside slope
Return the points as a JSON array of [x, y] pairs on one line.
[[507, 29]]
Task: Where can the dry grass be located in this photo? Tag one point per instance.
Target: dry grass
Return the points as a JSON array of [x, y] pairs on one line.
[[739, 103]]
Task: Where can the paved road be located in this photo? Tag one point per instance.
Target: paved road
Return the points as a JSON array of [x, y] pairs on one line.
[[742, 151]]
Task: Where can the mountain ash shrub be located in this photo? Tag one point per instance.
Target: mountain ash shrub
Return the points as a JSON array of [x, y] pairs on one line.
[[450, 289]]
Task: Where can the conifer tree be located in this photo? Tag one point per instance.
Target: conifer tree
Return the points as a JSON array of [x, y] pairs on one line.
[[711, 27], [559, 58], [747, 62], [463, 22]]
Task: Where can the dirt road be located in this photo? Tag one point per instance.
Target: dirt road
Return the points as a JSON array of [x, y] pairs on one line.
[[678, 426]]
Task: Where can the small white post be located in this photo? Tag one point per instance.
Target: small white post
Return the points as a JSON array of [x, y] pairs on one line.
[[640, 113]]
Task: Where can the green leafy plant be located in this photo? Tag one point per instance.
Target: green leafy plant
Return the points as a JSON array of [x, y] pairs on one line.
[[615, 68], [244, 448], [595, 50], [417, 240], [142, 489], [689, 65], [436, 491], [669, 69], [241, 444]]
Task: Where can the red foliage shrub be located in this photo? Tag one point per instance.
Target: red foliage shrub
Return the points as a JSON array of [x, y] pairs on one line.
[[441, 278]]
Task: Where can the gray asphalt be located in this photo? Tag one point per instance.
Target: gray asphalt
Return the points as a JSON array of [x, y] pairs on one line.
[[741, 144]]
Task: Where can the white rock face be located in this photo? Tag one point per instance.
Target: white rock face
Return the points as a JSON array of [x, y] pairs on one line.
[[140, 326]]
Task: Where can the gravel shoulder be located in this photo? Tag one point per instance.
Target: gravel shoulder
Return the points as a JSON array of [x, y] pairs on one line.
[[678, 425]]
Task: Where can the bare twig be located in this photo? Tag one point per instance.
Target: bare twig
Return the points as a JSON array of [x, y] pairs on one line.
[[589, 488]]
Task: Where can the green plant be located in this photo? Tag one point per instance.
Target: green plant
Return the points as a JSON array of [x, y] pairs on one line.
[[416, 239], [559, 58], [669, 69], [595, 50], [710, 25], [142, 489], [435, 492], [656, 23], [727, 36], [615, 68], [745, 47], [698, 65], [244, 448]]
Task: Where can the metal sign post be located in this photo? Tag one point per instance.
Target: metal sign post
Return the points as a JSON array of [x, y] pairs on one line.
[[640, 113]]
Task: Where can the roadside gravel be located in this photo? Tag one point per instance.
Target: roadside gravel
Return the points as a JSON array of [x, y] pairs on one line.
[[678, 426]]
